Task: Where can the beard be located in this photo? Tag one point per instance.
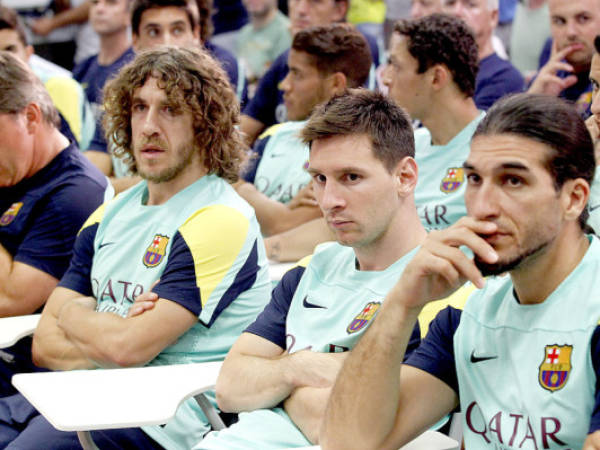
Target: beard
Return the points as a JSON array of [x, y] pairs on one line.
[[512, 263], [185, 155]]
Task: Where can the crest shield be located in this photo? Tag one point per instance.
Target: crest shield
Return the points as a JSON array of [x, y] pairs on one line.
[[555, 367], [156, 251], [10, 214], [363, 318], [454, 179]]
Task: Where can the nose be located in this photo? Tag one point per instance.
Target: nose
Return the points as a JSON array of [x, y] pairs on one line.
[[386, 75], [595, 106], [572, 29], [285, 84], [329, 197], [482, 201], [150, 124], [302, 7]]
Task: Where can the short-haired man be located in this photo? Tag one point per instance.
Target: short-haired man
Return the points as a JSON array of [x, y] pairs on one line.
[[324, 61], [361, 149], [496, 77], [110, 20], [431, 73], [574, 25], [184, 225], [47, 190], [522, 358], [77, 119], [267, 107]]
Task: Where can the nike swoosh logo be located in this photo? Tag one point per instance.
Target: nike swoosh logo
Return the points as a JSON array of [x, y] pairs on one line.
[[306, 304], [104, 244], [594, 207], [476, 359], [277, 155]]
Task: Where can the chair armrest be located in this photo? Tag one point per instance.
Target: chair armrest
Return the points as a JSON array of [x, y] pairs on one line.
[[14, 328]]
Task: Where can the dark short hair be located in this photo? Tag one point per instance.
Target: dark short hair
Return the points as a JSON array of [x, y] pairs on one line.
[[443, 39], [205, 9], [553, 122], [139, 7], [192, 80], [338, 47], [9, 20], [360, 111]]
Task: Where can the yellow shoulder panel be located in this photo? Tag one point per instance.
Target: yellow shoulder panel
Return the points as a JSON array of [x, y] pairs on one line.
[[270, 131], [215, 236], [65, 95], [94, 218], [457, 300]]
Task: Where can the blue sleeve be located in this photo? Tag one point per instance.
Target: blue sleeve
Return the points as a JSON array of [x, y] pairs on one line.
[[545, 54], [78, 275], [595, 350], [496, 79], [254, 159], [49, 243], [264, 103], [435, 354], [98, 142], [270, 324]]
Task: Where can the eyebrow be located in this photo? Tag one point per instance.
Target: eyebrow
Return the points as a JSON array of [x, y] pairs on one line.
[[508, 165]]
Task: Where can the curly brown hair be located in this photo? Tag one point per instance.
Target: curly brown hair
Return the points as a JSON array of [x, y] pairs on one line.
[[193, 79]]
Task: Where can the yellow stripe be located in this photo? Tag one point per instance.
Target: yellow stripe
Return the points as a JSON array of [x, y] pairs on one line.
[[65, 95], [94, 218], [271, 130], [215, 236], [458, 300]]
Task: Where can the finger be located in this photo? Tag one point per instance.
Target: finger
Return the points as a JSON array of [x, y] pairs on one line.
[[561, 54], [463, 268], [146, 297], [469, 232], [554, 66], [568, 81]]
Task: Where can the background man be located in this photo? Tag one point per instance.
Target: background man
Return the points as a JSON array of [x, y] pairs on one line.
[[77, 120], [593, 124], [361, 160], [110, 20], [496, 77], [47, 190], [184, 225], [574, 25], [529, 172], [324, 61], [267, 106]]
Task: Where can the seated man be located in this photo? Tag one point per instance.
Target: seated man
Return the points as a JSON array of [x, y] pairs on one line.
[[593, 124], [435, 87], [77, 119], [522, 358], [496, 77], [574, 24], [324, 61], [267, 106], [361, 160], [184, 225], [47, 190]]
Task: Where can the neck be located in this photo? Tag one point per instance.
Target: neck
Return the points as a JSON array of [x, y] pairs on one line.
[[538, 278], [486, 48], [112, 46], [262, 20], [403, 235], [449, 116], [49, 143], [160, 193]]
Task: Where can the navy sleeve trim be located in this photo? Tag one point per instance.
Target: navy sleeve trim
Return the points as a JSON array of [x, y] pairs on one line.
[[595, 350], [435, 354], [270, 324], [78, 275]]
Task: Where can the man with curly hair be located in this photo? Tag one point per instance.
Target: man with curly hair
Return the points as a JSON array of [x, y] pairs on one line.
[[182, 232]]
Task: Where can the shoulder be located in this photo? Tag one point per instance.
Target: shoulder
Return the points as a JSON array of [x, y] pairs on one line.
[[81, 69]]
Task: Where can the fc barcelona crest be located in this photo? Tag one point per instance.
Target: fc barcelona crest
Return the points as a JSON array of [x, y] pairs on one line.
[[555, 367], [453, 180], [362, 319], [156, 251], [10, 214]]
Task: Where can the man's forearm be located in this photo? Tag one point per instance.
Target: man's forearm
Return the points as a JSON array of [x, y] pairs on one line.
[[362, 408], [306, 408]]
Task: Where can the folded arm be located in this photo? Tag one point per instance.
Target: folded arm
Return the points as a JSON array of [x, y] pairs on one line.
[[23, 288]]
